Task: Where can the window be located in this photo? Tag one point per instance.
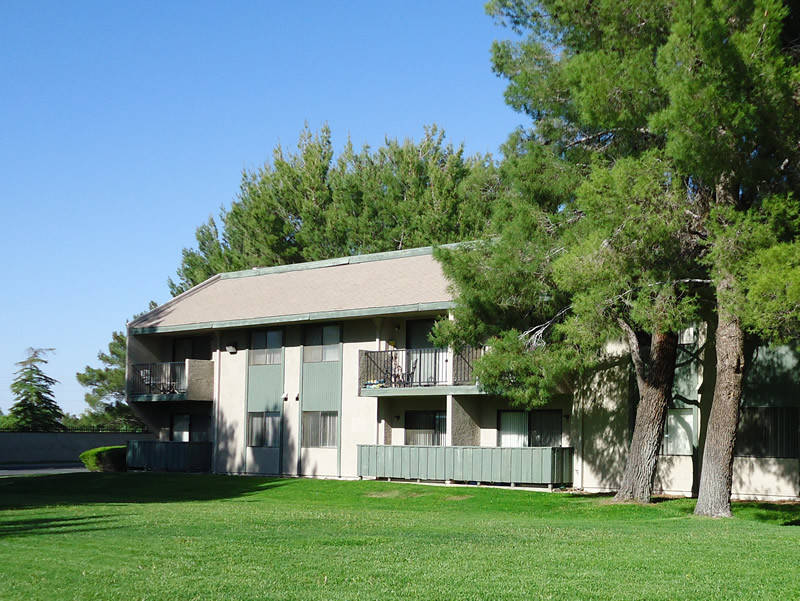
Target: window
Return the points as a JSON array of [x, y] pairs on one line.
[[181, 427], [529, 428], [513, 430], [189, 428], [679, 432], [320, 428], [265, 347], [195, 347], [321, 344], [263, 429], [768, 432], [426, 428]]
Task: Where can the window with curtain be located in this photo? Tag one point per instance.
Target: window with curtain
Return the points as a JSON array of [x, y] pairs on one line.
[[679, 432], [266, 347], [768, 432], [513, 431], [263, 429], [320, 428], [321, 343], [536, 428], [426, 428]]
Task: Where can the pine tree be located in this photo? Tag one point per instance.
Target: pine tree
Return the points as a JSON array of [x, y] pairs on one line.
[[35, 409]]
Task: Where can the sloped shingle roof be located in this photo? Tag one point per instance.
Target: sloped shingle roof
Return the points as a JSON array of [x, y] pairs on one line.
[[365, 285]]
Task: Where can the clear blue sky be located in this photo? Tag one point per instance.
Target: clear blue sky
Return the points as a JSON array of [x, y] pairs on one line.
[[124, 125]]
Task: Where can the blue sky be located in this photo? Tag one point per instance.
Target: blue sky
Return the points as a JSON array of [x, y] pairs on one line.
[[125, 125]]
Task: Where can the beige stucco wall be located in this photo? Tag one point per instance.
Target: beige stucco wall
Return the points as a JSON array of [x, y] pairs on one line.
[[674, 475], [230, 406], [262, 460], [359, 416], [318, 462], [199, 380], [601, 429], [463, 424], [149, 349], [292, 360], [765, 478]]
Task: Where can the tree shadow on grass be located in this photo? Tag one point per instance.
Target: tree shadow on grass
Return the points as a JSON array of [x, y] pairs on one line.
[[23, 492], [780, 513], [25, 527]]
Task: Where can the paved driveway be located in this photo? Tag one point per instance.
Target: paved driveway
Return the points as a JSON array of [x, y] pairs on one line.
[[28, 470]]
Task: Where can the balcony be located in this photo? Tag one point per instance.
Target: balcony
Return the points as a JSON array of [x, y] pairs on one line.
[[190, 380], [550, 466], [417, 371]]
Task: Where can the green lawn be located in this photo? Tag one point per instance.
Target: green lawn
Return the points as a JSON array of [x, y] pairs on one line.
[[176, 537]]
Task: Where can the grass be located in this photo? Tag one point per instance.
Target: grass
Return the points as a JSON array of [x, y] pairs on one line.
[[155, 536]]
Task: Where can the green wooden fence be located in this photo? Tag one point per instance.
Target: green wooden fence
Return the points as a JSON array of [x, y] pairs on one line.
[[523, 465], [163, 456]]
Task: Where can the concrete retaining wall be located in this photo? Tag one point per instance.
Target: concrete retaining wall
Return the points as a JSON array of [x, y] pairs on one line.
[[44, 447]]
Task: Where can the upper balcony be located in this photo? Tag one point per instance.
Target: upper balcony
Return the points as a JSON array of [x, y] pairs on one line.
[[189, 380], [422, 371]]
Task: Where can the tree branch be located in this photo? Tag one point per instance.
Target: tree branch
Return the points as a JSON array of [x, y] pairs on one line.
[[636, 352], [534, 337]]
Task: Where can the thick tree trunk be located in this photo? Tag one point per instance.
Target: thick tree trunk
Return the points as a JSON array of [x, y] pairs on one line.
[[714, 495], [655, 390]]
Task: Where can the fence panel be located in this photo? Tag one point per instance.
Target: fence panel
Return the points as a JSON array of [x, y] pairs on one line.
[[523, 465]]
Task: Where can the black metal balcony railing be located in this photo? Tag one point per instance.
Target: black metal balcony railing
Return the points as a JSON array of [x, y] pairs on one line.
[[158, 378], [463, 362], [403, 368]]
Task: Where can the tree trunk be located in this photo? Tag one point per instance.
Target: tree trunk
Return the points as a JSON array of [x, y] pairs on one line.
[[714, 496], [655, 390]]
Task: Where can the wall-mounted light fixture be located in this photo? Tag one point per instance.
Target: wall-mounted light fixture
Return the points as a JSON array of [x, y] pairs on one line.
[[297, 398], [285, 396], [231, 348]]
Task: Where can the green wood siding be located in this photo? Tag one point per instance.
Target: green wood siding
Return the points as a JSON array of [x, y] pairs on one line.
[[322, 386], [265, 387], [169, 456], [524, 465]]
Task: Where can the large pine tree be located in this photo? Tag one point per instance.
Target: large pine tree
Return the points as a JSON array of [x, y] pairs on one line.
[[35, 408], [710, 89]]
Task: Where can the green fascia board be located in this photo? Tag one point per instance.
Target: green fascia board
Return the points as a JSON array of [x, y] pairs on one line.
[[297, 318], [421, 391]]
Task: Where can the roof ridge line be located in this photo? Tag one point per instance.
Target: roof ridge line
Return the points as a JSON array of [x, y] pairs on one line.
[[337, 261]]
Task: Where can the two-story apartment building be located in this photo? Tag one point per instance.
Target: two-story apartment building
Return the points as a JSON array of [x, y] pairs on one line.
[[326, 369]]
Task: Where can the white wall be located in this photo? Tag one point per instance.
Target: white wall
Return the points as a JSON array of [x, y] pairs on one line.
[[359, 416], [231, 406]]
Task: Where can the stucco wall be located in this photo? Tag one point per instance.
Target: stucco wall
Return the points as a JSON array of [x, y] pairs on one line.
[[674, 475], [44, 447], [765, 478], [359, 416], [601, 426], [318, 462], [231, 409], [292, 362], [199, 380], [464, 424]]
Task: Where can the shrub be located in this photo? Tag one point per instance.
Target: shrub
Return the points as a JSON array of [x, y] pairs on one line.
[[105, 459]]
